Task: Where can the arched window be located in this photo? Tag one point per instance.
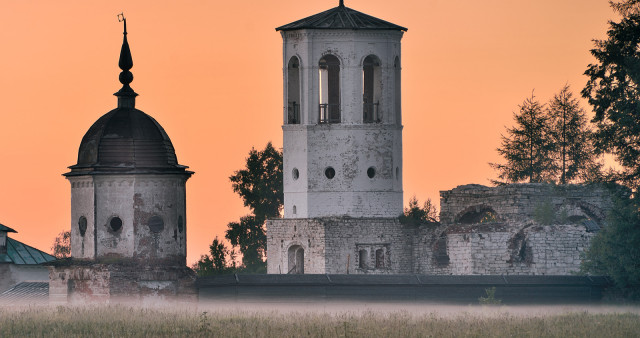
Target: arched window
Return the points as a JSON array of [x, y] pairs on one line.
[[477, 214], [293, 91], [371, 90], [380, 259], [329, 77], [362, 259], [296, 260], [397, 86]]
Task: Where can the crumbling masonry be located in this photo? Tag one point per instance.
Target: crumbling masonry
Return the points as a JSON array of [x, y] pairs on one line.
[[518, 229]]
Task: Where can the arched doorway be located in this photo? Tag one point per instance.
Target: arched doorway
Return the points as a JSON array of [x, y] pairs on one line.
[[296, 260]]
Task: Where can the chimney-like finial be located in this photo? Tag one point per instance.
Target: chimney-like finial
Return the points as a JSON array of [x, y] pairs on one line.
[[126, 95], [341, 4]]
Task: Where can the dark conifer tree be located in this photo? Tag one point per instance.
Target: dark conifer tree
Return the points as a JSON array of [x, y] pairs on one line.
[[613, 91], [527, 147], [570, 131]]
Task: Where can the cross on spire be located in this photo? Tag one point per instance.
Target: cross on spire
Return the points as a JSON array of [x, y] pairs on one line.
[[126, 95]]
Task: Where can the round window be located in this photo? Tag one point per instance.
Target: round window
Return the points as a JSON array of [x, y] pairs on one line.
[[115, 223], [82, 225], [180, 224], [295, 173], [330, 172], [156, 224], [371, 172]]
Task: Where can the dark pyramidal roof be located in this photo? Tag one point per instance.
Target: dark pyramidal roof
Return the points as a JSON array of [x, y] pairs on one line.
[[126, 140], [341, 17]]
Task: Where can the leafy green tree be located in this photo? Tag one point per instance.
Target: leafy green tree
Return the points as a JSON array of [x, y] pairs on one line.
[[416, 215], [615, 250], [570, 131], [527, 147], [61, 247], [613, 91], [259, 185], [216, 261]]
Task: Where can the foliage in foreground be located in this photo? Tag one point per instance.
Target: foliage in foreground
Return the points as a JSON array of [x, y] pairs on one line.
[[121, 321], [615, 250]]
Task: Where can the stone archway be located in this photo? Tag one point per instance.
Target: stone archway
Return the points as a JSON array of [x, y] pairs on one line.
[[296, 260]]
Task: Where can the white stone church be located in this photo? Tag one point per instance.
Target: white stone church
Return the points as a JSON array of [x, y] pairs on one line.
[[342, 127]]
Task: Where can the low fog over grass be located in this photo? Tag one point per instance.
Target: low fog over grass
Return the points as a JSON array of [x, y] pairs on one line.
[[320, 320]]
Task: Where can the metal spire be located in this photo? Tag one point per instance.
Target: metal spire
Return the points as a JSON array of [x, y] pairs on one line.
[[341, 4], [126, 95]]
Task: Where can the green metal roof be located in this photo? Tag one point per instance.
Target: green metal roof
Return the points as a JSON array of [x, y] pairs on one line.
[[22, 254], [6, 228]]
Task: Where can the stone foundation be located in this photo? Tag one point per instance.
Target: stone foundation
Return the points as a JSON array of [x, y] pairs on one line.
[[120, 283]]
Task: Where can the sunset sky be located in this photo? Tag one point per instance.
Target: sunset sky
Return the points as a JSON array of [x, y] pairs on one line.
[[210, 72]]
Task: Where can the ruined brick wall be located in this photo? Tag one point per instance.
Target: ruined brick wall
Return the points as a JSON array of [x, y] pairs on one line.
[[533, 229], [282, 234], [517, 202], [501, 249], [333, 245], [127, 283]]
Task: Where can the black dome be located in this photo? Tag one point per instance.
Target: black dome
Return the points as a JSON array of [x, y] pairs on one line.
[[126, 140]]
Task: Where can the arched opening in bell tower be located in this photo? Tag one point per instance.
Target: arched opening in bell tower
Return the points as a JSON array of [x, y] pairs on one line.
[[371, 90], [293, 91], [329, 95]]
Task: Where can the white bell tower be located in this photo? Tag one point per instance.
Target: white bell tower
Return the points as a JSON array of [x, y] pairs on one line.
[[342, 116]]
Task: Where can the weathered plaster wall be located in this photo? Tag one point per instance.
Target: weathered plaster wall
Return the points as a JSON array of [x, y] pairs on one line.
[[515, 243], [515, 202], [350, 147], [82, 205], [282, 234], [135, 199], [12, 274], [498, 248], [126, 283], [332, 245]]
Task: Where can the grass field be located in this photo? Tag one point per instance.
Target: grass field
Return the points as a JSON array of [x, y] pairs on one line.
[[123, 321]]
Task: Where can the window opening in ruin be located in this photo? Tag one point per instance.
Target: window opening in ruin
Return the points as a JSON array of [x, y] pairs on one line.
[[156, 224], [397, 173], [380, 259], [293, 91], [371, 172], [478, 214], [329, 95], [330, 172], [371, 89], [82, 225], [115, 223], [362, 259], [440, 251], [180, 224], [295, 173], [295, 210], [296, 260], [397, 91]]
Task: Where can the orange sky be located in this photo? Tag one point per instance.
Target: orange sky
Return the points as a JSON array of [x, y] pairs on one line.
[[211, 73]]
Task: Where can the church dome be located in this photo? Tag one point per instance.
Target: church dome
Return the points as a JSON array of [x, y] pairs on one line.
[[126, 140]]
